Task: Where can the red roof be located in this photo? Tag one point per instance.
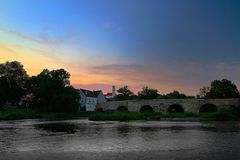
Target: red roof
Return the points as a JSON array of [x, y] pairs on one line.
[[108, 94]]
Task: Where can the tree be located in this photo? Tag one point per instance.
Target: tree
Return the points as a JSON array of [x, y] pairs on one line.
[[204, 91], [148, 93], [13, 77], [52, 91], [124, 93], [220, 89], [65, 100], [3, 89], [175, 95]]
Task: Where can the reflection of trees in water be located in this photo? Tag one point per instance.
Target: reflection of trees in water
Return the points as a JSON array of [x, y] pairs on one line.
[[209, 127], [155, 129], [124, 129], [7, 139], [224, 127], [58, 127], [148, 129], [95, 129]]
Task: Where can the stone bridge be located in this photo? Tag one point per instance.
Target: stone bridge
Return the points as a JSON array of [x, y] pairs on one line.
[[170, 105]]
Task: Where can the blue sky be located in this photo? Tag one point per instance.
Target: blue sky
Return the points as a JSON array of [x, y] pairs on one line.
[[166, 44]]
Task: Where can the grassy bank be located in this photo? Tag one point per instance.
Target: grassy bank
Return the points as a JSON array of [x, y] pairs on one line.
[[223, 115], [126, 116], [17, 114]]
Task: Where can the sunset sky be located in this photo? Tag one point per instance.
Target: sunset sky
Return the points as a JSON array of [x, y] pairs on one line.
[[165, 44]]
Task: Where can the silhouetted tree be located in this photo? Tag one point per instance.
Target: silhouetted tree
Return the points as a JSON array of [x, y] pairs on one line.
[[221, 89], [124, 93], [13, 77], [174, 95], [52, 91], [148, 93], [65, 100], [204, 91]]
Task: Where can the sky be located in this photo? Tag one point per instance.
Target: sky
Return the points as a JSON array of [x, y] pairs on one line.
[[164, 44]]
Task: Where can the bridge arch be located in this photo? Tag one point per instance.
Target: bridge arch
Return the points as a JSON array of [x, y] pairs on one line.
[[176, 108], [122, 109], [208, 107], [146, 108]]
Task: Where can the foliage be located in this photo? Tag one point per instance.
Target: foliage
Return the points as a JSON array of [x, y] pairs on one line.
[[52, 91], [127, 116], [148, 93], [65, 100], [15, 114], [12, 81], [174, 95], [124, 93], [220, 89], [204, 91]]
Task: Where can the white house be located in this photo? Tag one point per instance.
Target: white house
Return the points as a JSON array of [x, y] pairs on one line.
[[90, 99]]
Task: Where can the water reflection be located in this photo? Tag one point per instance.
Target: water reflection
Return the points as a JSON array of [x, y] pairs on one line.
[[58, 127], [221, 127], [136, 136], [124, 130], [148, 129]]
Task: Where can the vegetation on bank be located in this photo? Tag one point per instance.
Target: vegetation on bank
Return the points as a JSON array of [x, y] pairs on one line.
[[18, 114], [127, 116], [221, 115]]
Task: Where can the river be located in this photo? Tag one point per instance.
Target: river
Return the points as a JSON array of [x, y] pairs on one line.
[[134, 140]]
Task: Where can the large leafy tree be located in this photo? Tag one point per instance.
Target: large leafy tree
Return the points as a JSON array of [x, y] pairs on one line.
[[52, 91], [221, 89], [124, 93], [204, 91], [13, 77], [148, 93]]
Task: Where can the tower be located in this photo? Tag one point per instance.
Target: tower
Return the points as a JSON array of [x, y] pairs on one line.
[[113, 91]]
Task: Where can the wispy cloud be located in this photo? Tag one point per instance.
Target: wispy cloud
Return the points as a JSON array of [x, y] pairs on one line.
[[42, 38], [41, 43], [130, 72]]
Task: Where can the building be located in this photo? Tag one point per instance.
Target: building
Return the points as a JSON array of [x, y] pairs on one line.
[[90, 99], [110, 96]]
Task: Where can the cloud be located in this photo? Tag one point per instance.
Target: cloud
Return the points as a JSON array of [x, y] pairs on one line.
[[41, 38], [41, 43], [6, 49], [137, 73], [106, 88], [21, 35]]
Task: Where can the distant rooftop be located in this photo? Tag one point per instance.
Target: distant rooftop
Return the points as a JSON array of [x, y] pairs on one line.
[[89, 93]]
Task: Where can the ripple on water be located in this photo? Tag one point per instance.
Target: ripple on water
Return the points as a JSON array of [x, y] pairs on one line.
[[83, 135]]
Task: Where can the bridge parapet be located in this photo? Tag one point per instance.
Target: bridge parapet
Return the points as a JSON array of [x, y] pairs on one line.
[[164, 105]]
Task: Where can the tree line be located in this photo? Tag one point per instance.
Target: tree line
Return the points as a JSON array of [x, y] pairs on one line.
[[52, 91], [48, 91], [218, 89]]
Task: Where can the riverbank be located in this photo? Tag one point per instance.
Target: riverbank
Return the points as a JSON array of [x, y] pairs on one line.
[[18, 114], [224, 115]]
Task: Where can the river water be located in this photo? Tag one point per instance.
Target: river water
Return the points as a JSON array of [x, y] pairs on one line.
[[83, 139]]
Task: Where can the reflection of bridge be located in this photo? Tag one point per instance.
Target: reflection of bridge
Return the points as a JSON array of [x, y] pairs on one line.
[[171, 105]]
